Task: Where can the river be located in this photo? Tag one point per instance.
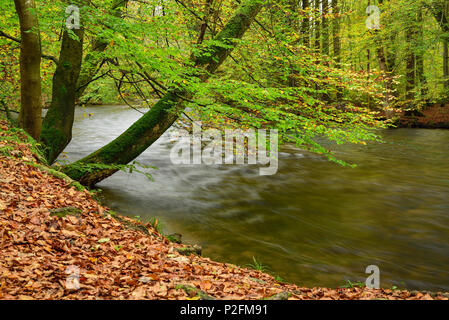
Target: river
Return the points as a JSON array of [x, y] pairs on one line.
[[314, 223]]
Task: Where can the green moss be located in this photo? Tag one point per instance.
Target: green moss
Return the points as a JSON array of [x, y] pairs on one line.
[[68, 211], [58, 174]]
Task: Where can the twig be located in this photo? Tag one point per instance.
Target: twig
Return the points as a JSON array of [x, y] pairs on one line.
[[45, 56]]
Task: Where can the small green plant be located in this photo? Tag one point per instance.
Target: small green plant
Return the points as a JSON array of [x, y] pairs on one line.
[[256, 265], [351, 285], [6, 151], [16, 136], [112, 213], [156, 224], [279, 279], [96, 194]]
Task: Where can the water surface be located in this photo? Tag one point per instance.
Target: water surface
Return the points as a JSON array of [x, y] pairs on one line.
[[315, 223]]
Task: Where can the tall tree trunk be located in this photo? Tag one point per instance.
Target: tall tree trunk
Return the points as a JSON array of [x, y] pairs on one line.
[[445, 24], [325, 29], [420, 56], [389, 85], [57, 125], [410, 58], [295, 26], [30, 63], [440, 10], [305, 24], [144, 132], [386, 60], [336, 41], [446, 64], [317, 24]]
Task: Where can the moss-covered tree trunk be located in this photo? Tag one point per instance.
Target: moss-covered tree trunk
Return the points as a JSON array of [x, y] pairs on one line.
[[30, 63], [161, 116], [57, 125]]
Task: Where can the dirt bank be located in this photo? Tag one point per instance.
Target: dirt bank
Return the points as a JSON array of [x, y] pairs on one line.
[[432, 117]]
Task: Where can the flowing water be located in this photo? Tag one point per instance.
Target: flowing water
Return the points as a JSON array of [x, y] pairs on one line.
[[314, 223]]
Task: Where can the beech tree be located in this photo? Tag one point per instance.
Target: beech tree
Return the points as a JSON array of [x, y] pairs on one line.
[[309, 69], [30, 64], [155, 122]]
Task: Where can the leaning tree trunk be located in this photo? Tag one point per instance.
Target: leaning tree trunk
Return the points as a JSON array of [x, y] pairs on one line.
[[144, 132], [30, 64]]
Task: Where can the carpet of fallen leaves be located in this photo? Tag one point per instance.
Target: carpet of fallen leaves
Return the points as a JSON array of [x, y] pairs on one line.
[[38, 251]]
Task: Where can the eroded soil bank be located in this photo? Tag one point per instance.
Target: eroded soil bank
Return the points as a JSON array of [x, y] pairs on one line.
[[54, 236], [434, 116]]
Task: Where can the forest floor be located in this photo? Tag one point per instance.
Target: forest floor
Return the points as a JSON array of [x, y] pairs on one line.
[[57, 242]]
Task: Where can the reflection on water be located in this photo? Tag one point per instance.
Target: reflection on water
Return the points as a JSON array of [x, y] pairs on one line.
[[314, 223]]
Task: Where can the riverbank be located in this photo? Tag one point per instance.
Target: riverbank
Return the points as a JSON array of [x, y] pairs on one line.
[[434, 116], [54, 236]]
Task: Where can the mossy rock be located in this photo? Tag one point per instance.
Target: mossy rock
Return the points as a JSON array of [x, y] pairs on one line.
[[188, 250], [67, 211], [280, 296], [192, 292], [175, 238]]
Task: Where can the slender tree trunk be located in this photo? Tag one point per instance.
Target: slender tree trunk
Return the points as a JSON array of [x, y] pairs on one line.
[[440, 10], [294, 24], [420, 57], [305, 24], [410, 34], [317, 25], [410, 66], [336, 41], [325, 29], [446, 64], [389, 86], [57, 125], [155, 122], [386, 60], [30, 62]]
